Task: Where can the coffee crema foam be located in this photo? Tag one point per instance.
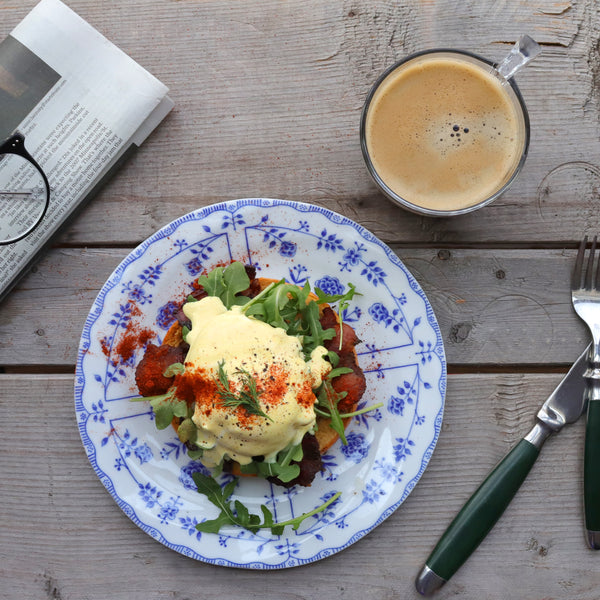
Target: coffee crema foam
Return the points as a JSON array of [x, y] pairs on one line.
[[444, 133]]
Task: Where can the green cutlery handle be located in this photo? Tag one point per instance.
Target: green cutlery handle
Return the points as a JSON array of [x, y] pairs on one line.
[[591, 474], [477, 517]]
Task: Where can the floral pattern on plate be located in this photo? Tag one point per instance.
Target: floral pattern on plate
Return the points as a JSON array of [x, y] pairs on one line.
[[148, 472]]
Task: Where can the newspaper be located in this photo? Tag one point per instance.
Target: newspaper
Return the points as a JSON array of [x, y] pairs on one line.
[[82, 104]]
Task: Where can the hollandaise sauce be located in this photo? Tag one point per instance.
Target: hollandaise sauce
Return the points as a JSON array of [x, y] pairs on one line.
[[244, 347]]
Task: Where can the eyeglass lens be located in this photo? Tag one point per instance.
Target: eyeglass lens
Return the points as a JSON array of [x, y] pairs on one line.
[[23, 196]]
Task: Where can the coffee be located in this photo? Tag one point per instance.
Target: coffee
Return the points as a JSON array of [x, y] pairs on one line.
[[444, 132]]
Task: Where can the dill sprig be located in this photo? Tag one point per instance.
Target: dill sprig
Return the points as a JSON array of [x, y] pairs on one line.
[[248, 395]]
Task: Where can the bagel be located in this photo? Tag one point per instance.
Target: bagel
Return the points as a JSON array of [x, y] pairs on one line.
[[174, 349]]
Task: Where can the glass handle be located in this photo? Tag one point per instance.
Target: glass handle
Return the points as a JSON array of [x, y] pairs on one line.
[[524, 51]]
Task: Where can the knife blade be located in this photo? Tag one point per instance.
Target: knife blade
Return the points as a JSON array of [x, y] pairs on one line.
[[481, 512]]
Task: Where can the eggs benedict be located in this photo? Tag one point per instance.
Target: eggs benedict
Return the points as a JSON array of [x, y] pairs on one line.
[[257, 376], [234, 353]]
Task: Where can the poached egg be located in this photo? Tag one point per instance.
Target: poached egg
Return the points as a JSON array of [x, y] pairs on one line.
[[247, 347]]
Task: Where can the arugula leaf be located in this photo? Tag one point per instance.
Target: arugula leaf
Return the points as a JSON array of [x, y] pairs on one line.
[[165, 407], [219, 497], [295, 453], [328, 399], [239, 514], [336, 372], [344, 302], [186, 432], [323, 298], [283, 472], [185, 329], [174, 369], [226, 283], [287, 306], [195, 453], [316, 335], [268, 305], [282, 467], [334, 358]]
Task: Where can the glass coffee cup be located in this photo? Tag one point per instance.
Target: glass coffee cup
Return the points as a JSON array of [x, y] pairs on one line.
[[445, 132]]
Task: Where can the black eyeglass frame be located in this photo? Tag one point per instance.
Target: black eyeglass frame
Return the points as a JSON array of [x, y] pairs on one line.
[[16, 145]]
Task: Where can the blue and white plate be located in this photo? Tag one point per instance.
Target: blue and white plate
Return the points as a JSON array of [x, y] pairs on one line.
[[148, 472]]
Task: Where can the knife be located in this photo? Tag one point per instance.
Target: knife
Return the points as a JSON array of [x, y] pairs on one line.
[[477, 517]]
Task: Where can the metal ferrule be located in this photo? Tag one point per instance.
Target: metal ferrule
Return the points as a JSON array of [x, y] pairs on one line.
[[428, 581], [592, 378], [593, 539], [592, 373], [538, 435]]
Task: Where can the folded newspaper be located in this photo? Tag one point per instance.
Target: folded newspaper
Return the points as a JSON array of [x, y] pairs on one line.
[[82, 104]]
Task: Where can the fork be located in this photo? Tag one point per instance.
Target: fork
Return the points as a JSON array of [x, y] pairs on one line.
[[585, 294]]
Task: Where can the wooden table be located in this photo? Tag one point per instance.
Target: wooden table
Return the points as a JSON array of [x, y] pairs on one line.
[[268, 97]]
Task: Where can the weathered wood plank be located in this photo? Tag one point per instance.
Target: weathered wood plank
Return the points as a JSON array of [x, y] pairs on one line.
[[62, 535], [493, 306], [269, 98]]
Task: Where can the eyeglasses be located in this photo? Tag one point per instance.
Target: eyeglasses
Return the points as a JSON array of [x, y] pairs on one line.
[[24, 191]]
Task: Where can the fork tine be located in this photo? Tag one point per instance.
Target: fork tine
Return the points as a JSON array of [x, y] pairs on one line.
[[589, 272], [577, 277]]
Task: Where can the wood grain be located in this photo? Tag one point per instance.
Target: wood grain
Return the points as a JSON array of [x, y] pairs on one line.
[[63, 536], [268, 101], [494, 307]]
